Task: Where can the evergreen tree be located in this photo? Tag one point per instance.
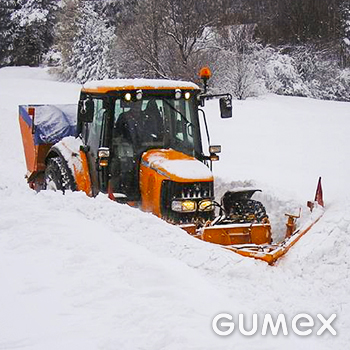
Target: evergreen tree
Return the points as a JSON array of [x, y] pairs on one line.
[[84, 40], [345, 40], [7, 8], [30, 33], [117, 12]]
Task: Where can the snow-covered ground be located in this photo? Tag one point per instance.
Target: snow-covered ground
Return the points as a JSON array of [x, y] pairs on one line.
[[82, 273]]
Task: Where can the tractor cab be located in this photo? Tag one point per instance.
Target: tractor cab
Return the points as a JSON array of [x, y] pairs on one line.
[[143, 144], [119, 123]]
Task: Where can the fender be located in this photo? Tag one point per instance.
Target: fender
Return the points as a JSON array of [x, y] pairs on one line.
[[69, 149]]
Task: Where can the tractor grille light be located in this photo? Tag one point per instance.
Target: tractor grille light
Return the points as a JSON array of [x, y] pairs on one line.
[[206, 205], [127, 96], [184, 206]]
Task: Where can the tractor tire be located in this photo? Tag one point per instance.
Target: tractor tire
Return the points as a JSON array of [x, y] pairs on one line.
[[58, 176]]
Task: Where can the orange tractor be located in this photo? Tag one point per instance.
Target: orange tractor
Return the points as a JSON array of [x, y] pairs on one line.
[[139, 142]]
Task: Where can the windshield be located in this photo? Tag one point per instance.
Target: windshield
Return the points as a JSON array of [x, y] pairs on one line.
[[158, 122]]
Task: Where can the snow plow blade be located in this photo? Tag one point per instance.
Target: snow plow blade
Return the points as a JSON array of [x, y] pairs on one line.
[[254, 239], [272, 252]]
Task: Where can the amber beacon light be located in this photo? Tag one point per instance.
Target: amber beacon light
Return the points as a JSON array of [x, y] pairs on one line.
[[205, 74]]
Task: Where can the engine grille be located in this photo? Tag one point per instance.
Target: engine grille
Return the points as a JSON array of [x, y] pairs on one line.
[[196, 191]]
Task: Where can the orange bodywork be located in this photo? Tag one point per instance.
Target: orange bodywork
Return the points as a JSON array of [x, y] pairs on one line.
[[237, 234], [153, 174], [82, 175], [34, 154]]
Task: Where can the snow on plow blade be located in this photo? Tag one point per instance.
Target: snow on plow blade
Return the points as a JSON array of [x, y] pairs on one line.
[[272, 252], [250, 235]]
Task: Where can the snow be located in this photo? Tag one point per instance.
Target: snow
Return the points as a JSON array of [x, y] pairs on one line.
[[270, 139], [78, 272], [184, 168], [139, 83], [69, 147], [26, 73]]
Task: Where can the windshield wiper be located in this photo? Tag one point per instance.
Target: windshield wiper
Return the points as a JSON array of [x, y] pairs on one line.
[[176, 110]]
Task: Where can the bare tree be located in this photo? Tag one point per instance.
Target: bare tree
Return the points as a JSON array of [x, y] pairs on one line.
[[143, 42], [167, 37], [235, 61]]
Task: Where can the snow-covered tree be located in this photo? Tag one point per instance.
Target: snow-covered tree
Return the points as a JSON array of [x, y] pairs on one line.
[[84, 41], [32, 31], [7, 7], [345, 40], [116, 12], [281, 74]]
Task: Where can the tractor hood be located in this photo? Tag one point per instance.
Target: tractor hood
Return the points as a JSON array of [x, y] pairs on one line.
[[176, 166]]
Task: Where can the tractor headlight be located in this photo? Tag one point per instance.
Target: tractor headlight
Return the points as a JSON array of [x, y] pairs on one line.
[[139, 95], [187, 206], [206, 205], [178, 94]]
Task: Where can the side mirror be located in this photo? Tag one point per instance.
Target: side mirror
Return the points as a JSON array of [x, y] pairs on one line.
[[86, 111], [226, 106]]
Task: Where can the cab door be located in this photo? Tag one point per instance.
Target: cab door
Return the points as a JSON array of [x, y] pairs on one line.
[[94, 135]]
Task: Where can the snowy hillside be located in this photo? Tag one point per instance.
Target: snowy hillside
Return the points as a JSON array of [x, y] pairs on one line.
[[82, 273]]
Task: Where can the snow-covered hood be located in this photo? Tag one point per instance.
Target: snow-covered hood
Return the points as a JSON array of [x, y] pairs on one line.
[[176, 165]]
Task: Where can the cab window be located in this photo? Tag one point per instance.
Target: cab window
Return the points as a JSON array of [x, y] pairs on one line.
[[94, 135]]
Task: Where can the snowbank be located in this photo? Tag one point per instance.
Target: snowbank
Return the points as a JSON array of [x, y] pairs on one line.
[[89, 273], [285, 143]]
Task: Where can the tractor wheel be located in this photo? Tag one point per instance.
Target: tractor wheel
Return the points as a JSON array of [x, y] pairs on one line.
[[58, 176]]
